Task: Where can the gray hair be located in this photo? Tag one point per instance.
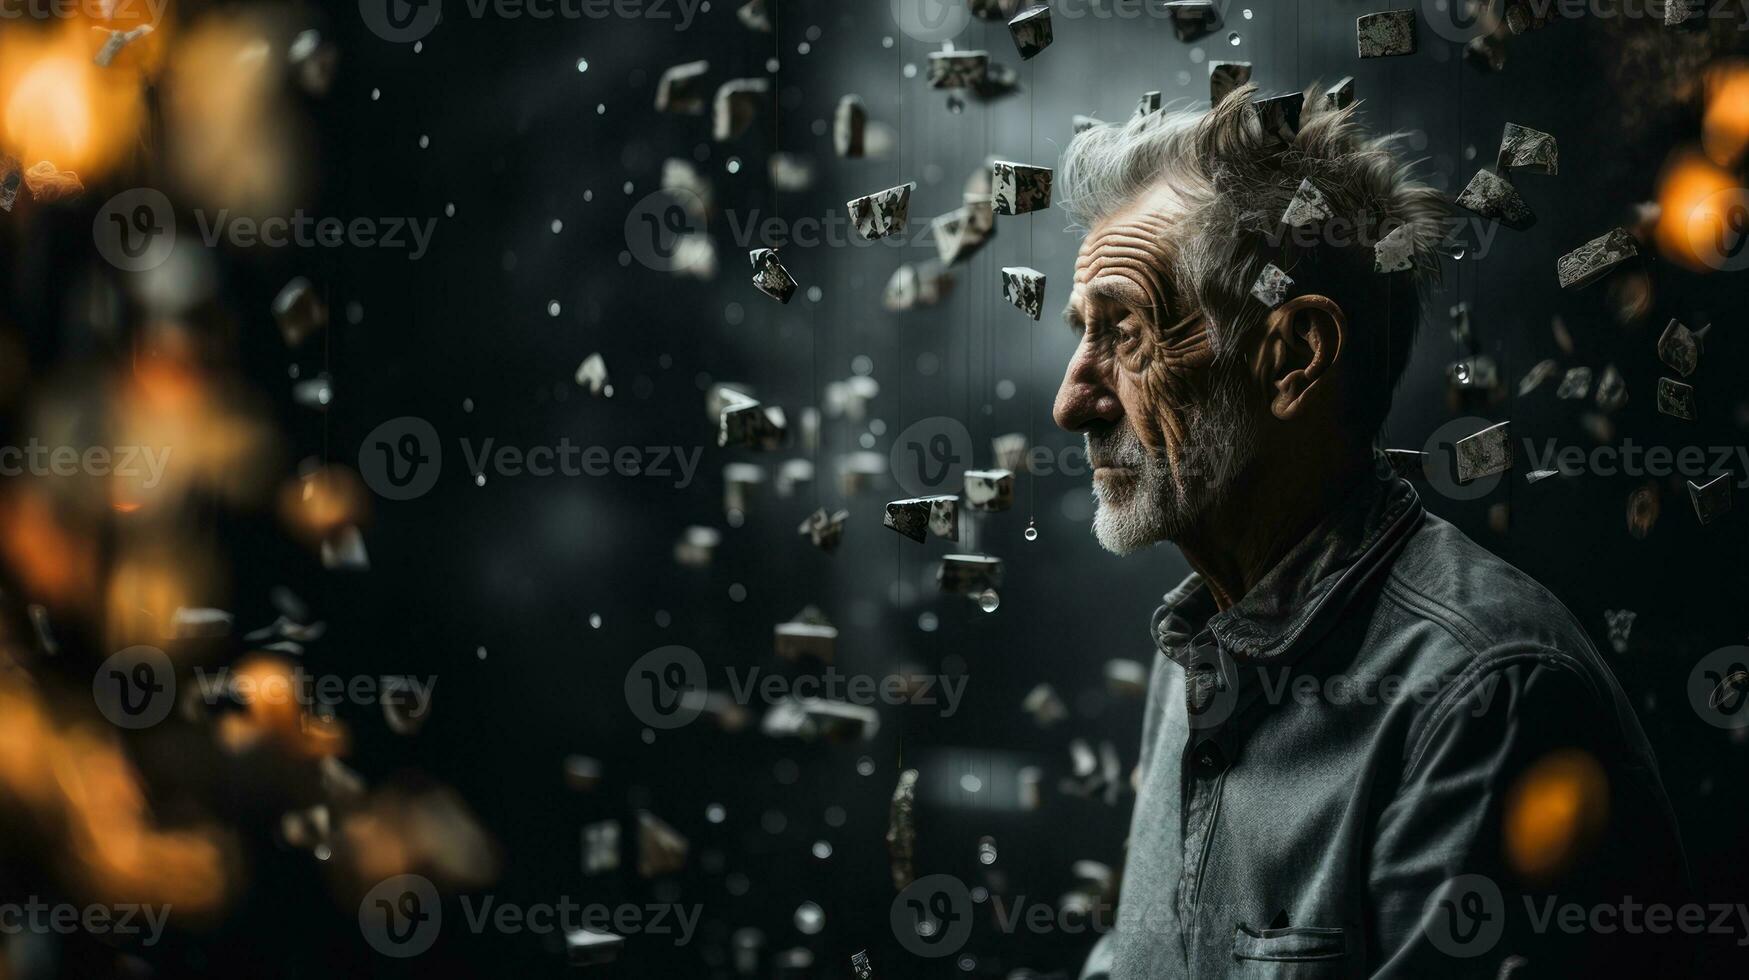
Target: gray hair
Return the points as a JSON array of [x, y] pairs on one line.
[[1235, 181]]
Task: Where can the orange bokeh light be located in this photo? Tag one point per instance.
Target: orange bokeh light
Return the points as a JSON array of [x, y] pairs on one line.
[[1695, 221], [1554, 813], [60, 106], [1726, 124]]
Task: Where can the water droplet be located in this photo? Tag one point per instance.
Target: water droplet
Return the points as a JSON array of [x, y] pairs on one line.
[[582, 64], [479, 479], [1031, 531], [1234, 39], [1247, 13], [1462, 372], [955, 104], [989, 601], [1456, 251], [595, 621]]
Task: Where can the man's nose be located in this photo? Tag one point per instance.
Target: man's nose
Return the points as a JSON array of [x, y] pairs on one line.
[[1087, 397]]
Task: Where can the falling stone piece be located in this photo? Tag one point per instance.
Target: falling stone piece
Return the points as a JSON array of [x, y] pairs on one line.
[[1676, 348], [117, 40], [1148, 104], [344, 551], [769, 275], [1019, 188], [1308, 206], [681, 89], [860, 965], [957, 69], [1676, 398], [1485, 453], [1025, 288], [1620, 624], [961, 233], [989, 490], [691, 188], [1009, 451], [902, 829], [1279, 115], [849, 128], [1478, 373], [1590, 261], [791, 173], [1192, 19], [1045, 706], [1410, 464], [1612, 389], [661, 848], [817, 718], [1711, 498], [299, 311], [918, 517], [1340, 95], [1537, 476], [1523, 148], [1126, 678], [755, 15], [882, 213], [313, 60], [992, 9], [600, 847], [11, 176], [1271, 286], [1395, 252], [748, 422], [1644, 507], [592, 947], [696, 546], [1225, 76], [1031, 30], [968, 574], [1541, 371], [825, 531], [1081, 124], [592, 374], [1575, 384], [998, 81], [1493, 196], [193, 623], [582, 773], [795, 640], [736, 103], [1386, 34]]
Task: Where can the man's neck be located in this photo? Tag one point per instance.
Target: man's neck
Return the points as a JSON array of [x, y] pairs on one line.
[[1257, 522]]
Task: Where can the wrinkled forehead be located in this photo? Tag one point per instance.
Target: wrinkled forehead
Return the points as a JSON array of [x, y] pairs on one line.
[[1132, 248]]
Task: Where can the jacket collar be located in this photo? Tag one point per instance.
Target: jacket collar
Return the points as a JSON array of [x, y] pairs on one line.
[[1298, 598]]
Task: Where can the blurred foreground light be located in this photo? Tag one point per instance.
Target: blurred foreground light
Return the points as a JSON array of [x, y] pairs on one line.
[[1554, 813], [59, 106], [1703, 214], [1726, 123]]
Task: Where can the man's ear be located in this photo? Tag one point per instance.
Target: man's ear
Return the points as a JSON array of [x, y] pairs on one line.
[[1303, 341]]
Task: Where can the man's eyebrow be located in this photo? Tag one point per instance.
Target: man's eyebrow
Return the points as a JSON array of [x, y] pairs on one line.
[[1116, 289]]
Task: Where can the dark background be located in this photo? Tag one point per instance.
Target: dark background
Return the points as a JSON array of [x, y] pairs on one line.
[[519, 565]]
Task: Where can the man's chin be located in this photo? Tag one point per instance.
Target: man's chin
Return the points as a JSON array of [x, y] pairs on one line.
[[1122, 528]]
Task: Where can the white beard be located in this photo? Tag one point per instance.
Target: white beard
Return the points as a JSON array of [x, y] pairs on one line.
[[1159, 501]]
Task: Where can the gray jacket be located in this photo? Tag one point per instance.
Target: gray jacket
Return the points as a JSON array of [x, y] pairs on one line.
[[1396, 756]]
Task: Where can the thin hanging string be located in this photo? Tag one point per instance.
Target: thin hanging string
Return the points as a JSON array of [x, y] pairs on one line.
[[1032, 328]]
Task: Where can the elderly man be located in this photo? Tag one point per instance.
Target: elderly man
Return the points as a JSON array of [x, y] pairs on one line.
[[1371, 748]]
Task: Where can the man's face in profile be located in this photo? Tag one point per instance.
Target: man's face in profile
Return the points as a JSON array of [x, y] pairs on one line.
[[1166, 425]]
